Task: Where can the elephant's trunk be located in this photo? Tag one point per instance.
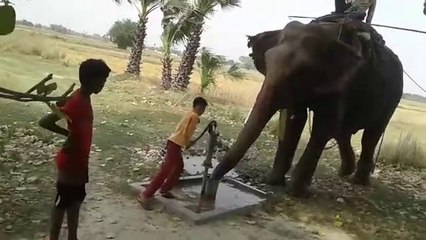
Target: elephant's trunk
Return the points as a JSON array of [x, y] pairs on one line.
[[263, 110]]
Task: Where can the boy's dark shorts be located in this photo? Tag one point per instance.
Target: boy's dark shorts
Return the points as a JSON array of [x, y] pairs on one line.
[[69, 195]]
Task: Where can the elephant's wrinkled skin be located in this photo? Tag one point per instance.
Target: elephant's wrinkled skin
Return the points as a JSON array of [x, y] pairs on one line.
[[347, 84]]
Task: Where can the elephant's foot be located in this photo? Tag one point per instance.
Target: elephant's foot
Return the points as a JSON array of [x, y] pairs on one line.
[[299, 190], [361, 179], [276, 180], [346, 170], [362, 174]]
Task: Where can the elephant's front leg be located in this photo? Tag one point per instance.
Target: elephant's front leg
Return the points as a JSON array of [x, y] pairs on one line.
[[325, 123], [287, 146]]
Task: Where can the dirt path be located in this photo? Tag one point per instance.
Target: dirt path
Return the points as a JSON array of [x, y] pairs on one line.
[[107, 215]]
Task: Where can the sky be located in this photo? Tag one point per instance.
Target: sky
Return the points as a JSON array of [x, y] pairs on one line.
[[225, 32]]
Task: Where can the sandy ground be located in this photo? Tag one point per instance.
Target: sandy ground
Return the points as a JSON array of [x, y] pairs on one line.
[[107, 215]]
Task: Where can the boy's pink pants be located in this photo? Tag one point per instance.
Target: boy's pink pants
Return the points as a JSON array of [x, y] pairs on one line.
[[169, 173]]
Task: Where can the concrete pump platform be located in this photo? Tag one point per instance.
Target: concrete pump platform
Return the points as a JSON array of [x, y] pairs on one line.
[[233, 197]]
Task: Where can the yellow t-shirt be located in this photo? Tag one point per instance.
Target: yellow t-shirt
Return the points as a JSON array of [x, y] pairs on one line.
[[185, 129]]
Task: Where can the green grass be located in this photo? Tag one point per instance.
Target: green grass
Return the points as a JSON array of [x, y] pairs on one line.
[[136, 114]]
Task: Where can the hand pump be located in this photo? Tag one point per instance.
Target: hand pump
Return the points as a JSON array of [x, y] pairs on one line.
[[207, 164]]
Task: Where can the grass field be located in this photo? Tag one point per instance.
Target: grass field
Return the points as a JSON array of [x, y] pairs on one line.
[[136, 115]]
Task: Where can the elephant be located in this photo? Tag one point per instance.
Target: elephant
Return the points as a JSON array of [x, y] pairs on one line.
[[348, 80]]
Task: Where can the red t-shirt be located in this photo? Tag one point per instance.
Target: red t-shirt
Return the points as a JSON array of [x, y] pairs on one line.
[[79, 110]]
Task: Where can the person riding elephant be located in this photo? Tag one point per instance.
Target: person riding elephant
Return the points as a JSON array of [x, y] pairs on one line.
[[359, 8], [355, 9], [341, 6]]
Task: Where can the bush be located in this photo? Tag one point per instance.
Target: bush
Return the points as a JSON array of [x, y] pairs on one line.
[[36, 51], [407, 152], [235, 115], [25, 49], [123, 33], [54, 55]]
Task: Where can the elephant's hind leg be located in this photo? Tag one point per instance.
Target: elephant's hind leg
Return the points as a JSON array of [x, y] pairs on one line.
[[287, 147], [347, 155], [370, 138]]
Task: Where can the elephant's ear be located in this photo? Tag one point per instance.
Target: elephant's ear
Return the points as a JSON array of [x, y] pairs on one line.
[[250, 41]]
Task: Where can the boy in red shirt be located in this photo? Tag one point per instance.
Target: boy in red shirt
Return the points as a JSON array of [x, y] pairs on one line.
[[168, 176], [72, 160]]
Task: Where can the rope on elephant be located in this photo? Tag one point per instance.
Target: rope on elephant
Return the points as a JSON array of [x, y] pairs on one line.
[[414, 81], [378, 151]]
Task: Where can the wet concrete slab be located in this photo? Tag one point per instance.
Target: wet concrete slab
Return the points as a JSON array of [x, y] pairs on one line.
[[194, 166], [233, 197]]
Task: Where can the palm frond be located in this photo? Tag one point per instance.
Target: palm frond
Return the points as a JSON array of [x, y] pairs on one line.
[[171, 35], [210, 61], [175, 9], [121, 1], [210, 65], [229, 4], [148, 6], [147, 3], [205, 8], [176, 32]]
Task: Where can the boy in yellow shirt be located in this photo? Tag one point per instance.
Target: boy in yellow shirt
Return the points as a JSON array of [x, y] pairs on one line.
[[169, 173]]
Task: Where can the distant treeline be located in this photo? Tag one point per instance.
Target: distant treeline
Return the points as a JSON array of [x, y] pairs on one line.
[[414, 97], [61, 29], [244, 62]]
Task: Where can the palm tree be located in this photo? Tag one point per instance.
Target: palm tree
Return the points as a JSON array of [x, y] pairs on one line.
[[176, 25], [200, 11], [146, 7], [210, 66]]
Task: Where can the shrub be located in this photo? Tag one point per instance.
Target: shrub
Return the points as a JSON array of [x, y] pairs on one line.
[[235, 115], [54, 55], [406, 152]]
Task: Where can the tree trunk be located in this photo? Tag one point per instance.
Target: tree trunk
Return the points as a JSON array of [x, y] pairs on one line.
[[133, 67], [166, 79], [181, 80]]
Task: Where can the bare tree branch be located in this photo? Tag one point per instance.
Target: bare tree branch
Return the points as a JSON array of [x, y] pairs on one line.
[[42, 89], [42, 82]]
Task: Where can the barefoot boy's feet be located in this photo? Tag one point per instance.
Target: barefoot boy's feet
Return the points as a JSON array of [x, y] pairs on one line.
[[167, 195], [146, 203]]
